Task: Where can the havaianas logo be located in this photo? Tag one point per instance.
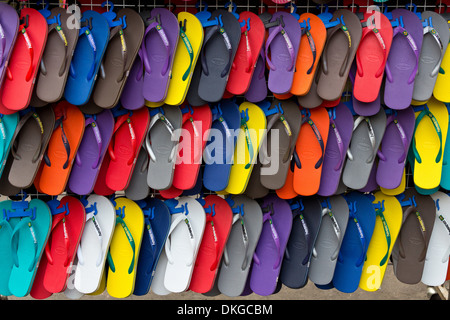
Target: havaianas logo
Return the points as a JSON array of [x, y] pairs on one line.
[[62, 35], [41, 126], [422, 225], [436, 124], [122, 41], [347, 33], [27, 38], [445, 223], [127, 232], [191, 233], [286, 125]]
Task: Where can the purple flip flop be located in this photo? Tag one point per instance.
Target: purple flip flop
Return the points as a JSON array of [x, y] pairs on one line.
[[341, 124], [132, 97], [90, 154], [257, 90], [403, 60], [9, 26], [282, 46], [266, 265], [394, 147], [158, 48]]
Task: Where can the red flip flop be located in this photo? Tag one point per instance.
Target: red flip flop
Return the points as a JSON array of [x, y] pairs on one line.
[[252, 39], [23, 66], [100, 186], [219, 218], [196, 122], [372, 55], [129, 133], [170, 193], [69, 218]]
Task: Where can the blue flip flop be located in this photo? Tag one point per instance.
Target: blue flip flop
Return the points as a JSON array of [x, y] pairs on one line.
[[87, 57], [157, 224], [356, 241], [218, 153], [30, 222]]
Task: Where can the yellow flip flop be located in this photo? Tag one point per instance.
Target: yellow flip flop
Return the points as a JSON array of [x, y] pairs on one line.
[[428, 143], [124, 249], [251, 135], [400, 189], [151, 104], [189, 45], [389, 216]]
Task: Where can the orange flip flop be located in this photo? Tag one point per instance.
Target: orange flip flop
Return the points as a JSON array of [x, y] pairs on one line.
[[314, 35], [309, 151], [287, 191], [62, 148], [283, 96]]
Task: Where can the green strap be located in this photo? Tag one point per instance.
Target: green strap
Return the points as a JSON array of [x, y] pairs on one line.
[[379, 213], [189, 49], [435, 123], [248, 138], [130, 240]]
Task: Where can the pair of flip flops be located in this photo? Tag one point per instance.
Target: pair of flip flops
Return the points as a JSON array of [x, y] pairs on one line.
[[68, 219], [25, 229]]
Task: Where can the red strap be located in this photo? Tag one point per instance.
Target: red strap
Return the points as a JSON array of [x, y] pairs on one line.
[[56, 220], [382, 44], [23, 30]]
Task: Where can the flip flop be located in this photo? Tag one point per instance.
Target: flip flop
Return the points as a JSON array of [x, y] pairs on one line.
[[9, 26], [396, 191], [312, 43], [257, 90], [68, 221], [219, 150], [355, 244], [196, 123], [287, 191], [124, 249], [281, 51], [283, 117], [240, 246], [389, 211], [445, 162], [251, 42], [57, 56], [161, 142], [8, 125], [138, 188], [343, 38], [371, 56], [429, 139], [410, 249], [158, 52], [91, 152], [125, 145], [125, 38], [93, 39], [62, 147], [183, 242], [253, 122], [94, 244], [255, 189], [339, 136], [28, 145], [157, 223], [219, 49], [394, 147], [436, 262], [403, 60], [26, 245], [219, 218], [23, 66], [268, 256], [100, 186], [436, 35], [310, 150], [366, 138], [335, 214], [306, 221], [185, 59], [440, 91]]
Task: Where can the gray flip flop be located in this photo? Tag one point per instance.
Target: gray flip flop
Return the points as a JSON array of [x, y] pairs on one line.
[[410, 249], [338, 54], [335, 213], [138, 188], [29, 144], [285, 117], [55, 62], [123, 47], [255, 189], [361, 154], [162, 144], [241, 244], [219, 48], [435, 41]]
